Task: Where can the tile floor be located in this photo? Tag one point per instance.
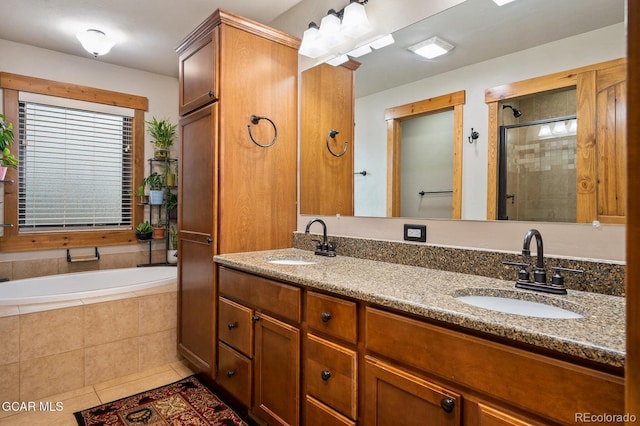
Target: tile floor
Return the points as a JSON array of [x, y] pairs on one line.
[[90, 396]]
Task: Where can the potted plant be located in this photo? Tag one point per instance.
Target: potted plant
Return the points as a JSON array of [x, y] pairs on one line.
[[159, 231], [172, 253], [7, 160], [155, 182], [172, 205], [144, 231], [144, 198], [169, 175], [163, 134]]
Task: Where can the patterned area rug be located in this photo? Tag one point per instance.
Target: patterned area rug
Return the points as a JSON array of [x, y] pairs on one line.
[[185, 402]]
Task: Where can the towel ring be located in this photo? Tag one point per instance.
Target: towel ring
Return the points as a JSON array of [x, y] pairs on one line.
[[332, 134], [255, 119]]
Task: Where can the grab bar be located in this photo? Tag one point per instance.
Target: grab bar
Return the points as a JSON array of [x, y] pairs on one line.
[[83, 258], [423, 193]]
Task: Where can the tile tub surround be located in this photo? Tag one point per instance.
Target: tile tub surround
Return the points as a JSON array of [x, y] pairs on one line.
[[429, 293], [54, 348], [598, 277]]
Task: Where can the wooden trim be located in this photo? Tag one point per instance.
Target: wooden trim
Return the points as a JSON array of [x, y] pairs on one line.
[[12, 241], [394, 133], [71, 91], [492, 162], [414, 109], [394, 116], [553, 81], [221, 16], [586, 156], [632, 367]]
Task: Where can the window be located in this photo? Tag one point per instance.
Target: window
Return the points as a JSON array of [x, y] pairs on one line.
[[81, 152], [75, 169]]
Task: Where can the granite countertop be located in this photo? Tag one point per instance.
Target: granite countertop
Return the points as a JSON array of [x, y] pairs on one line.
[[598, 336]]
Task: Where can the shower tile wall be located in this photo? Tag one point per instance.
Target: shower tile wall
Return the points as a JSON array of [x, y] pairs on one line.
[[542, 173]]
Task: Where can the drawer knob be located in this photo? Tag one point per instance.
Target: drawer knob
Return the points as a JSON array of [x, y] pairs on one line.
[[231, 373], [232, 325], [325, 316], [448, 404], [211, 94], [325, 375]]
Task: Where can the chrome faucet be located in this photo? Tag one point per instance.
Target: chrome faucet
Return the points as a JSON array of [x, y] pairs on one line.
[[324, 246]]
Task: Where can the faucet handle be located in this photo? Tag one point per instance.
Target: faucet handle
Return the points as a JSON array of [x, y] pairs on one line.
[[523, 274], [558, 279]]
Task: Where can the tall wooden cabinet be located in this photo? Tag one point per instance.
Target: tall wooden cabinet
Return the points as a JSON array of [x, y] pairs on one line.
[[326, 163], [234, 194]]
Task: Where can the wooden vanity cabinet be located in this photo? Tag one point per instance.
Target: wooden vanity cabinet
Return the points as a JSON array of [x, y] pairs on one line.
[[498, 384], [234, 195], [259, 354]]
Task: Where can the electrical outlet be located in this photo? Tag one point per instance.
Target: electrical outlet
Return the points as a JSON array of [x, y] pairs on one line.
[[415, 233]]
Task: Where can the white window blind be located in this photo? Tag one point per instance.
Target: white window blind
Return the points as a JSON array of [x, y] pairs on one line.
[[75, 169]]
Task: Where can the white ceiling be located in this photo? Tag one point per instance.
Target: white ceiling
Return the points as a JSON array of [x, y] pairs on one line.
[[148, 31]]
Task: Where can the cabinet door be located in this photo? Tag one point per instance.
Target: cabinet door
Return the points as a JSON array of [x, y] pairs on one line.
[[276, 372], [196, 235], [197, 73], [396, 397]]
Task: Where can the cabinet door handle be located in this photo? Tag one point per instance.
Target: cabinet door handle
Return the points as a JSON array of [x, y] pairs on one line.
[[325, 375], [211, 94], [232, 325], [209, 240], [255, 318], [447, 404], [231, 373], [325, 316]]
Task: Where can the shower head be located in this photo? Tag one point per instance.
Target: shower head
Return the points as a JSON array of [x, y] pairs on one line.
[[516, 112]]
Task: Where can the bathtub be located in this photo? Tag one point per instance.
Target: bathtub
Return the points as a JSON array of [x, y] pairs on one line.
[[81, 285], [60, 333]]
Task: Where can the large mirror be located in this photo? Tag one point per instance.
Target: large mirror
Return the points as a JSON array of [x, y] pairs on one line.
[[494, 46]]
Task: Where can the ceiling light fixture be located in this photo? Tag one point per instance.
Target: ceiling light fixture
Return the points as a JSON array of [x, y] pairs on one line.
[[95, 42], [431, 48]]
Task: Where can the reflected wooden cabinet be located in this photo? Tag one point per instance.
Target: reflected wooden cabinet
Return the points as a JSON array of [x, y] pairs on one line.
[[234, 195], [326, 163]]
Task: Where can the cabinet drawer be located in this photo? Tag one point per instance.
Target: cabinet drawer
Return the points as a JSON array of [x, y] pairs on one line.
[[234, 373], [234, 326], [277, 298], [319, 414], [459, 357], [331, 374], [332, 315]]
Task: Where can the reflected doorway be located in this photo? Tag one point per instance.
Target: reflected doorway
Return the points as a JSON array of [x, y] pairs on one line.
[[427, 166]]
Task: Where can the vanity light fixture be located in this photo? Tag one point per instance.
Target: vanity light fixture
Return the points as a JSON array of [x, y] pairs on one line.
[[310, 45], [338, 60], [95, 42], [431, 48], [545, 131], [335, 29]]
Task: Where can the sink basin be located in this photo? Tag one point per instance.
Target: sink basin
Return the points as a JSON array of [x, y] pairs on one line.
[[291, 259], [519, 303]]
